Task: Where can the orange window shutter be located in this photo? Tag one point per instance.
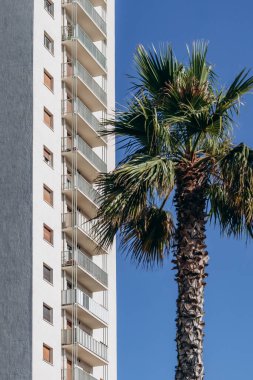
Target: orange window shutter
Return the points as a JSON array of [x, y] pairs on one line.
[[47, 195], [47, 234], [47, 80], [47, 118], [46, 353]]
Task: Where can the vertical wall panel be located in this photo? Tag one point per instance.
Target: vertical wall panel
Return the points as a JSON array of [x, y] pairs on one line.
[[16, 136]]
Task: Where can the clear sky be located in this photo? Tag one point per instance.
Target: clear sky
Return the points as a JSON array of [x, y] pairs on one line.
[[146, 300]]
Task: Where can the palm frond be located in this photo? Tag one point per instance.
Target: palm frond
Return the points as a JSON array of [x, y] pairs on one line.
[[198, 65], [156, 173], [232, 193], [128, 190], [147, 239], [141, 128], [155, 68], [231, 99], [228, 218]]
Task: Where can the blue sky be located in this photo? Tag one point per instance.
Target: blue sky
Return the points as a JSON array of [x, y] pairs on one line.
[[146, 300]]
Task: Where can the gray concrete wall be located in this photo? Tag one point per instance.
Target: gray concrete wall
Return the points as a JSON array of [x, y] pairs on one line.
[[16, 135]]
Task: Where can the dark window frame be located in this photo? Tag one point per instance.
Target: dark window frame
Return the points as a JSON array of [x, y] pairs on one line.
[[50, 280]]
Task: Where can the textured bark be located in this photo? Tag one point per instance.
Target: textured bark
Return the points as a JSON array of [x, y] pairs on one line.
[[190, 262]]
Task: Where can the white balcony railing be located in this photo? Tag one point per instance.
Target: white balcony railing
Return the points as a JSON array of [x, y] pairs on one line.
[[70, 106], [76, 32], [80, 221], [70, 183], [71, 296], [88, 265], [85, 340], [80, 145], [88, 7], [69, 70], [79, 374]]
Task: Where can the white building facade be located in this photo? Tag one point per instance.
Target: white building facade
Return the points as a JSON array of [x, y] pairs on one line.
[[59, 291]]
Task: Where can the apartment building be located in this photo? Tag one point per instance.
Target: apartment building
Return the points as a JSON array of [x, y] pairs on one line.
[[58, 292]]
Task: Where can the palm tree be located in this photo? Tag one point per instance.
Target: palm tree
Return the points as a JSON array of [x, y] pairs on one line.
[[176, 132]]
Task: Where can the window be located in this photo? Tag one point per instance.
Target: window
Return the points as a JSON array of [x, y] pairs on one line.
[[48, 156], [48, 234], [47, 273], [47, 353], [48, 80], [48, 43], [69, 105], [48, 118], [69, 285], [48, 195], [68, 142], [49, 6], [47, 313], [69, 179]]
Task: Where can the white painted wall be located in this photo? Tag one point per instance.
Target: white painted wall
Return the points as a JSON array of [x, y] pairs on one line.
[[111, 259], [43, 332]]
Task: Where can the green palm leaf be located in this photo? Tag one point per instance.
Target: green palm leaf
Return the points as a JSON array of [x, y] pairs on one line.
[[148, 238], [128, 190], [155, 69], [232, 193], [199, 68], [231, 99]]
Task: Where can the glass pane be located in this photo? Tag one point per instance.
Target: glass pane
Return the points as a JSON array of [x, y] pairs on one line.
[[47, 273], [47, 313]]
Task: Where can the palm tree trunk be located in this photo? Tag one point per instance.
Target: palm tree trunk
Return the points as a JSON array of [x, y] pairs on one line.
[[190, 262]]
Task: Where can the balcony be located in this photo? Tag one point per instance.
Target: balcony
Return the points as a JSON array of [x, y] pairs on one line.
[[85, 237], [101, 3], [88, 162], [89, 350], [88, 90], [90, 275], [89, 312], [88, 18], [87, 196], [87, 52], [79, 374], [88, 126]]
